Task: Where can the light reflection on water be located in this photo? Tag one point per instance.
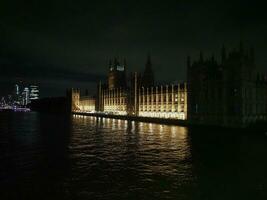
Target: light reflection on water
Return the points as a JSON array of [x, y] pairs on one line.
[[138, 150], [152, 136], [47, 156]]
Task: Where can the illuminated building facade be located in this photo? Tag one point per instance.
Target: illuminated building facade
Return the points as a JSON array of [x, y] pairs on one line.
[[169, 101], [230, 93], [112, 97], [135, 98], [81, 103], [87, 103], [114, 101]]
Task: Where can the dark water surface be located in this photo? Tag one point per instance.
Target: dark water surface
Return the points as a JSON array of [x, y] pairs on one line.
[[45, 156]]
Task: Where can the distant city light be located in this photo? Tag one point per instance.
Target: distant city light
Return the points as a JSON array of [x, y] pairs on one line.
[[20, 97]]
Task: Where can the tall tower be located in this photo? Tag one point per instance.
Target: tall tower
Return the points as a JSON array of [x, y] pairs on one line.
[[148, 76], [26, 96], [223, 54], [117, 74], [34, 92], [16, 90]]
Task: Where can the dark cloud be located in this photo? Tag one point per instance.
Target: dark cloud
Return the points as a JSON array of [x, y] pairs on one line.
[[36, 73], [54, 80], [67, 41]]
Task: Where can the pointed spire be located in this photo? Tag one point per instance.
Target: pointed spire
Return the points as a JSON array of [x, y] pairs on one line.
[[252, 54], [241, 47], [124, 64], [148, 62], [188, 61], [258, 76], [115, 61], [212, 58], [148, 76], [201, 59], [223, 53], [110, 65], [148, 68]]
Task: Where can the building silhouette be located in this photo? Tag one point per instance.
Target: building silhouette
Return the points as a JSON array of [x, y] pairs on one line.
[[229, 93], [148, 75]]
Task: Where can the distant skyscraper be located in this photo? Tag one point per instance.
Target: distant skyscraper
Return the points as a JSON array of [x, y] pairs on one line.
[[25, 96], [16, 89], [34, 92], [2, 102], [16, 95]]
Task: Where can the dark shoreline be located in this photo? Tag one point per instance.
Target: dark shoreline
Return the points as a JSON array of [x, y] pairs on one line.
[[254, 128], [137, 119], [257, 128]]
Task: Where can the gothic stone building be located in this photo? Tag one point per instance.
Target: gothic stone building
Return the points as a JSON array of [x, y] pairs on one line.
[[80, 103], [138, 96], [229, 93]]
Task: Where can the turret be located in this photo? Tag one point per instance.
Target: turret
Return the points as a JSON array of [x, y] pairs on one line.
[[110, 65], [212, 59], [148, 76], [116, 63], [124, 64], [148, 63], [223, 54], [117, 75], [201, 59], [252, 54], [188, 61], [241, 47]]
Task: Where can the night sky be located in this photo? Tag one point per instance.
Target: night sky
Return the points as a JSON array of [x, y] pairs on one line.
[[67, 43]]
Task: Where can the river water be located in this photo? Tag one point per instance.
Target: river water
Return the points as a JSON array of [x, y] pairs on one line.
[[46, 156]]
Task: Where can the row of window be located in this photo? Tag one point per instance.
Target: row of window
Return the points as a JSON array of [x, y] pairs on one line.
[[149, 100], [115, 101], [114, 108], [114, 95], [160, 109]]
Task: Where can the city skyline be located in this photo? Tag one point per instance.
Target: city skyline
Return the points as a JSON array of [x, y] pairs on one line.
[[71, 44], [20, 96]]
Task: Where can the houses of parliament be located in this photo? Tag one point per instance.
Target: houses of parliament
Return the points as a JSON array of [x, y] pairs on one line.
[[229, 93]]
